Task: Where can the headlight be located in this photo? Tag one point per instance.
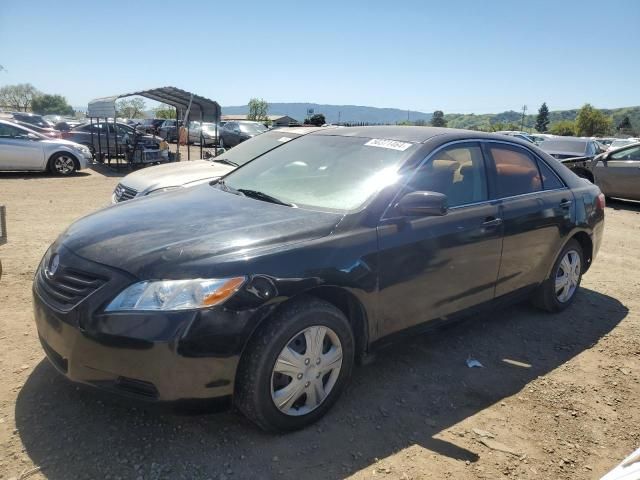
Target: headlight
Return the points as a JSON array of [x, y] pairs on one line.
[[168, 295]]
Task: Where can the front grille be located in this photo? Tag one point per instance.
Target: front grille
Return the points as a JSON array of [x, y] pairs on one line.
[[123, 193], [67, 287]]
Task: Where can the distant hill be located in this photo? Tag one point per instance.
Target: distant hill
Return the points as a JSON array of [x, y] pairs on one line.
[[483, 122], [335, 113]]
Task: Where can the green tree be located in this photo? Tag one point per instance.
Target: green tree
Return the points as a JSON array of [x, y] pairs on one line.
[[51, 105], [591, 121], [565, 128], [437, 119], [18, 97], [542, 120], [130, 108], [258, 110], [165, 111], [318, 120], [501, 126], [625, 124]]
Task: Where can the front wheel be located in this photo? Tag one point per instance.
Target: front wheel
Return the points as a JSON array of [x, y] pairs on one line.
[[558, 291], [296, 366], [63, 164]]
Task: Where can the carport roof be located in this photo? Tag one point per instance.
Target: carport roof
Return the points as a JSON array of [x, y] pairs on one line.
[[201, 108]]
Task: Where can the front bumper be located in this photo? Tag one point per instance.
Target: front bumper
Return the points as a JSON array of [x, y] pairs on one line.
[[145, 355]]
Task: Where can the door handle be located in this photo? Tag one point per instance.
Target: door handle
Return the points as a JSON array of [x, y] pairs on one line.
[[492, 222], [565, 204]]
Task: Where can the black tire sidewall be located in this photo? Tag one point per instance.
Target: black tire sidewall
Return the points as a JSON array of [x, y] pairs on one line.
[[288, 324]]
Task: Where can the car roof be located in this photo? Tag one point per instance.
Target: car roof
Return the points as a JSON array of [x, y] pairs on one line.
[[416, 134]]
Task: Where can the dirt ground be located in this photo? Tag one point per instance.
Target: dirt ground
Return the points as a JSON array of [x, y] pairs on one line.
[[557, 397]]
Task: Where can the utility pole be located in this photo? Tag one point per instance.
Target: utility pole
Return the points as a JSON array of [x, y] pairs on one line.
[[339, 115], [524, 112]]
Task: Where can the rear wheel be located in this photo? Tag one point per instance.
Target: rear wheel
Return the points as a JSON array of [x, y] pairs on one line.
[[63, 164], [296, 366], [558, 291]]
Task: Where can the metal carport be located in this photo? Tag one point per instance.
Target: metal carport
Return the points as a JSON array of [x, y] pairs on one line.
[[187, 104]]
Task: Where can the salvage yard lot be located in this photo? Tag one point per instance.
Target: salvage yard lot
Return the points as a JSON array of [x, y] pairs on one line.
[[557, 397]]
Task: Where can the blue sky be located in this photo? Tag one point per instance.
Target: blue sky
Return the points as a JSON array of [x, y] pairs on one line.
[[453, 55]]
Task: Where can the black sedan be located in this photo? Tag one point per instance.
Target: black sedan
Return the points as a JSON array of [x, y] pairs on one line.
[[266, 286]]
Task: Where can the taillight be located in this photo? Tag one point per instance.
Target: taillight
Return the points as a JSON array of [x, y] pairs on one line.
[[601, 202]]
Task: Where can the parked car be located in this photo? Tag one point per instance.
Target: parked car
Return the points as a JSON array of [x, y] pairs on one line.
[[520, 135], [46, 131], [575, 153], [208, 131], [162, 178], [617, 172], [233, 133], [167, 130], [265, 286], [106, 130], [621, 142], [66, 125], [150, 125], [24, 149], [32, 119]]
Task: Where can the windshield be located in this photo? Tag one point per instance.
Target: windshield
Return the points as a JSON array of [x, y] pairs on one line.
[[325, 172], [577, 147], [252, 128], [254, 147], [620, 143]]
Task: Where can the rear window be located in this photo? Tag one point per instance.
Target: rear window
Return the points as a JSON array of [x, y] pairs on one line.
[[516, 171]]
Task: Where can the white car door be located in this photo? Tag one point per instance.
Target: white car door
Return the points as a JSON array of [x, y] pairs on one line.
[[20, 149]]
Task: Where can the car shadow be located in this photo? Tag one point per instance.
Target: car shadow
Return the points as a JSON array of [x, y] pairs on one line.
[[619, 204], [38, 175], [412, 392]]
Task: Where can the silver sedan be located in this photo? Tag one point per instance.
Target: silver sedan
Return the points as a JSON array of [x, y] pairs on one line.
[[23, 149]]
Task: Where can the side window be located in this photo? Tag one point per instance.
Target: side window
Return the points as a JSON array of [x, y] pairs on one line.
[[550, 180], [9, 131], [516, 170], [627, 154], [456, 171]]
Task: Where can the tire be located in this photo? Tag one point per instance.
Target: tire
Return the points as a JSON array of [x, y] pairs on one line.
[[63, 164], [552, 297], [259, 386]]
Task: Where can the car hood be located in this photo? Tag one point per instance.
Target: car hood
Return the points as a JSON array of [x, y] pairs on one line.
[[60, 141], [174, 175], [188, 232]]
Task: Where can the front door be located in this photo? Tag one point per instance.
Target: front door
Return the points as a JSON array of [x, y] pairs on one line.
[[430, 267], [619, 175], [18, 151]]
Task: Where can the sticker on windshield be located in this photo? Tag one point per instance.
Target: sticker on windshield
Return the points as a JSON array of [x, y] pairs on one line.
[[391, 144], [284, 139]]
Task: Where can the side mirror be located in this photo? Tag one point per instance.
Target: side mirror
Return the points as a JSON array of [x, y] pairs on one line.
[[423, 204]]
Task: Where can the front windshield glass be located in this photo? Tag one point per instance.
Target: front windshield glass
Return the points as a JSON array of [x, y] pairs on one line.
[[246, 151], [252, 128], [325, 172]]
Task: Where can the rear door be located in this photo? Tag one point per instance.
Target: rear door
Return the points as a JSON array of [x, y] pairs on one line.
[[619, 175], [536, 208], [430, 267], [18, 151]]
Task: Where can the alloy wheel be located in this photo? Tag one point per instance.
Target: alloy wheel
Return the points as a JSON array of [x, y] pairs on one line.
[[568, 276], [306, 370], [64, 165]]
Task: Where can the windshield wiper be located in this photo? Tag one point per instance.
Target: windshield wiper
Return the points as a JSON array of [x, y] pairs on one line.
[[263, 196], [227, 162], [226, 188]]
